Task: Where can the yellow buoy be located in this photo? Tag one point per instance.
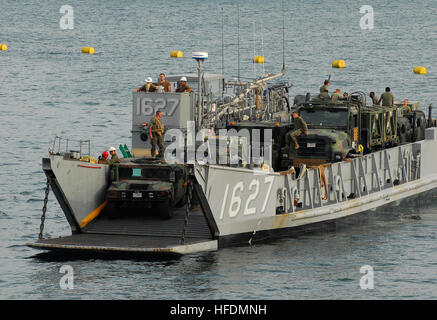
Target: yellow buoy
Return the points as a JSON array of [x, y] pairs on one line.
[[176, 54], [339, 64], [420, 70], [89, 50], [3, 47], [259, 59]]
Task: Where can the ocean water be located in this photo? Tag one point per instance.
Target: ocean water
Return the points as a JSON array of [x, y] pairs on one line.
[[48, 88]]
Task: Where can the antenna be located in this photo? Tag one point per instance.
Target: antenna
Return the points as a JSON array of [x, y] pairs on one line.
[[238, 43], [283, 37], [223, 47], [223, 54], [254, 53], [262, 45]]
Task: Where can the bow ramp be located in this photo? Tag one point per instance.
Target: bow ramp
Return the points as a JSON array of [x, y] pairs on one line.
[[139, 235], [82, 191]]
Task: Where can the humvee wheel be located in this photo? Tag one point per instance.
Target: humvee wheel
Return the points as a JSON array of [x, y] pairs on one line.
[[165, 210], [111, 210], [181, 203]]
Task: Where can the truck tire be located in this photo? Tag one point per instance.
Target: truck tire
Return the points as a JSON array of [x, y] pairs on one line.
[[165, 210], [181, 202], [111, 210]]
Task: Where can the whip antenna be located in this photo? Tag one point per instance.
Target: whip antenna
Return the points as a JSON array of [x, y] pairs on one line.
[[238, 42], [283, 37], [223, 47]]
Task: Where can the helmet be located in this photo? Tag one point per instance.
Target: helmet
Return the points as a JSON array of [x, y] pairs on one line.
[[183, 79], [148, 79], [111, 149], [105, 154]]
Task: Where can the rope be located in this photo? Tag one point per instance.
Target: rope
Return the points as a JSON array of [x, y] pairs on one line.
[[323, 181]]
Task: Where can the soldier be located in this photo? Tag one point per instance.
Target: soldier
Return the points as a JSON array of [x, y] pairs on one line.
[[374, 98], [345, 95], [325, 86], [156, 132], [164, 83], [103, 159], [300, 127], [325, 95], [148, 87], [114, 158], [386, 98], [183, 87], [258, 91], [336, 95]]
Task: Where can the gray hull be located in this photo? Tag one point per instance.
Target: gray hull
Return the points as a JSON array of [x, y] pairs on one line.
[[240, 205]]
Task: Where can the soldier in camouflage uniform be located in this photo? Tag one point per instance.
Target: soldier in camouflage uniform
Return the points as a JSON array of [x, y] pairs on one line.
[[374, 98], [386, 98], [148, 87], [336, 95], [325, 95], [325, 86], [183, 86], [300, 127], [114, 158], [156, 132]]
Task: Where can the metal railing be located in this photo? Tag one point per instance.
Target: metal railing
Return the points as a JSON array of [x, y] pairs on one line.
[[60, 144]]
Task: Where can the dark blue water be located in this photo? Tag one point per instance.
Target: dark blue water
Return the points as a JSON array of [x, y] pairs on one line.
[[48, 87]]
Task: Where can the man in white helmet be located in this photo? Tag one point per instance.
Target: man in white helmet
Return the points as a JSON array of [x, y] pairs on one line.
[[148, 87], [114, 157], [183, 87]]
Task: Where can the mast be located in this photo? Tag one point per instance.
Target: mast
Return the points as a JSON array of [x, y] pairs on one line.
[[200, 57]]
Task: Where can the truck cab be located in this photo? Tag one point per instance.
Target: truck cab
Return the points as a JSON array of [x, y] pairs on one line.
[[333, 133], [144, 184]]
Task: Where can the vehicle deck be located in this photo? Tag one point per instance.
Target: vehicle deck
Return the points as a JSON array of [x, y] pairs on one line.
[[138, 234]]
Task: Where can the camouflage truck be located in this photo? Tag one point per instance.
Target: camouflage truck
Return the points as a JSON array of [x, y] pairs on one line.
[[278, 130], [342, 128], [379, 127], [411, 122], [146, 186], [333, 133]]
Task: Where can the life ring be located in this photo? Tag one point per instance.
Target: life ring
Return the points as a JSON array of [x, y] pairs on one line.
[[144, 136]]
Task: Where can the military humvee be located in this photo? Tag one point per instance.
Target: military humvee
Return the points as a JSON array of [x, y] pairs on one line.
[[144, 184], [342, 128]]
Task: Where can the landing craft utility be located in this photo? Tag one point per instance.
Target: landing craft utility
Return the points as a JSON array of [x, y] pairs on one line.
[[356, 157]]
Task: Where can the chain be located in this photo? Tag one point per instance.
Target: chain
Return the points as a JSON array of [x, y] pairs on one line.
[[44, 208], [189, 196]]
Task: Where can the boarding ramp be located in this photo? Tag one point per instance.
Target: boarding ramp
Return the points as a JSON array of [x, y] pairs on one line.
[[146, 234]]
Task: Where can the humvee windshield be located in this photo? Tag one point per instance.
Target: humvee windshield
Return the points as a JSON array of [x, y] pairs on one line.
[[145, 173], [325, 118]]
